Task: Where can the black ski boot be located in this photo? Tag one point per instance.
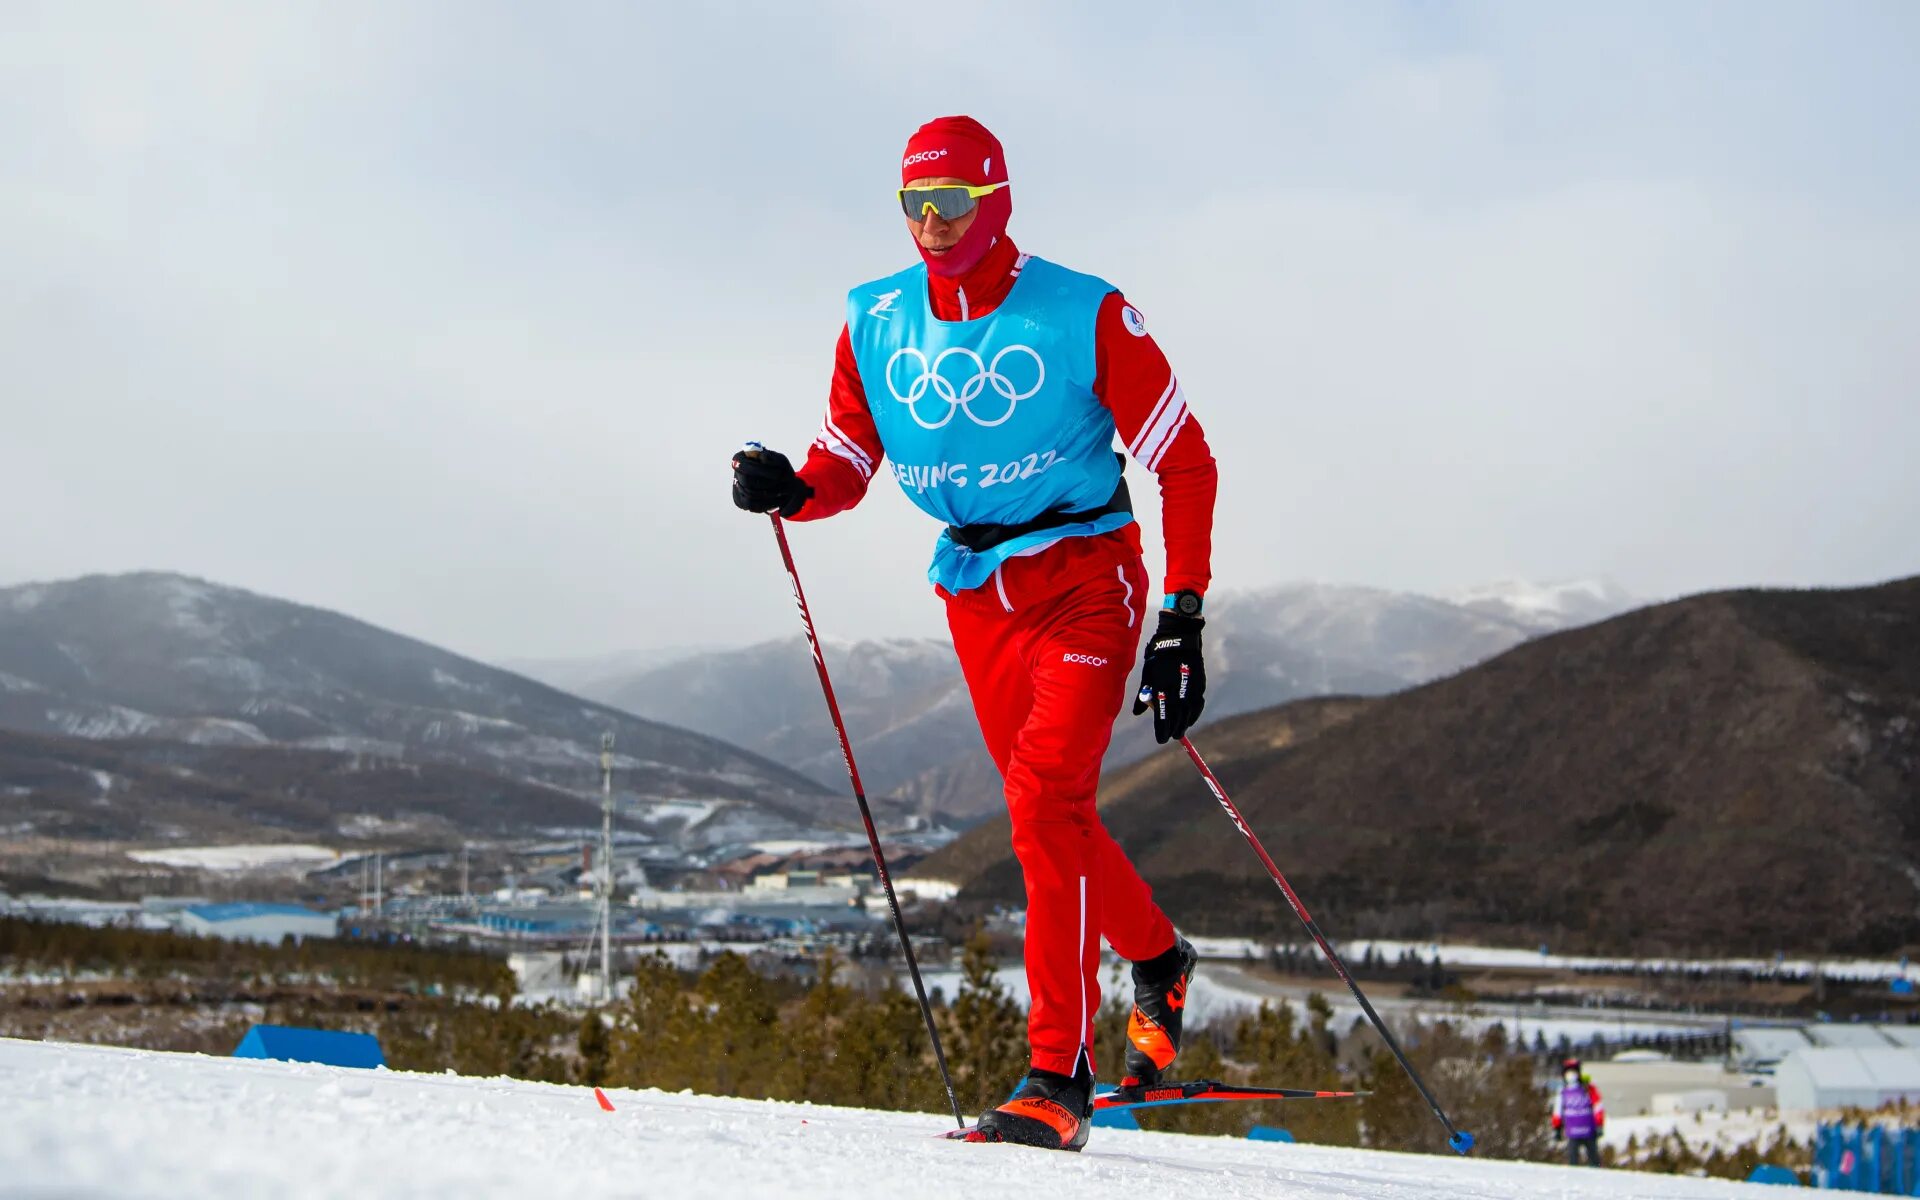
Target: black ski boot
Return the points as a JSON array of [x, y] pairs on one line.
[[1050, 1110], [1159, 1003]]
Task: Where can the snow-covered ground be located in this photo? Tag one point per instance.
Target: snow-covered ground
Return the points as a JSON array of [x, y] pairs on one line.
[[1493, 956], [1232, 988], [1459, 954], [1709, 1131], [84, 1121], [237, 858]]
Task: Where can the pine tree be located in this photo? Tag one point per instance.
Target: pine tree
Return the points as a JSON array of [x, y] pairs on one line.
[[808, 1038], [985, 1031], [1483, 1088], [1281, 1053], [656, 1032], [596, 1050], [880, 1057], [741, 1036], [1320, 1017]]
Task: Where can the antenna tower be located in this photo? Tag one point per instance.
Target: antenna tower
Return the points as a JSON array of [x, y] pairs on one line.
[[606, 867]]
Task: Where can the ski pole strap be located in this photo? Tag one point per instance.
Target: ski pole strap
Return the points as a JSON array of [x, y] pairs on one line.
[[978, 538]]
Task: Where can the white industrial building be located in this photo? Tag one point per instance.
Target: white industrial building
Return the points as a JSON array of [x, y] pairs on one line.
[[1848, 1077], [1637, 1084], [248, 922], [745, 900], [1847, 1037], [1760, 1048]]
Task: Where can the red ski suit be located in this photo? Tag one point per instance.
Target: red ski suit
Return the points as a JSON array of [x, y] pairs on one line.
[[1048, 654]]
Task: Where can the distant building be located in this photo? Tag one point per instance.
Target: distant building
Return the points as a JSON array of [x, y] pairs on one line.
[[100, 914], [929, 889], [1847, 1037], [1844, 1077], [538, 971], [1651, 1084], [521, 895], [541, 920], [164, 906], [249, 922], [1760, 1049], [781, 881]]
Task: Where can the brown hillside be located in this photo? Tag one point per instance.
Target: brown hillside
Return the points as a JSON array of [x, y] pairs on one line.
[[1736, 772], [981, 856]]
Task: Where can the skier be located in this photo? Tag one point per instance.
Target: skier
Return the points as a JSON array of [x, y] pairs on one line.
[[996, 382], [1579, 1115]]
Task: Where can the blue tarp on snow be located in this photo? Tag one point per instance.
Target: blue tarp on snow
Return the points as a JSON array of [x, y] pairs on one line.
[[1114, 1118], [290, 1043]]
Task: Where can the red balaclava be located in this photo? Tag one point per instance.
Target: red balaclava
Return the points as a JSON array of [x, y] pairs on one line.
[[961, 148]]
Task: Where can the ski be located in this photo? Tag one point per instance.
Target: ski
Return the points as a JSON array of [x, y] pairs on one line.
[[1204, 1091], [1198, 1091]]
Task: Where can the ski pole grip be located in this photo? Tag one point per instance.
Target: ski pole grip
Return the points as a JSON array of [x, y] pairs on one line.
[[751, 449]]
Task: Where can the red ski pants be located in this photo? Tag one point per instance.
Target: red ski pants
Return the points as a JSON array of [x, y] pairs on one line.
[[1047, 682]]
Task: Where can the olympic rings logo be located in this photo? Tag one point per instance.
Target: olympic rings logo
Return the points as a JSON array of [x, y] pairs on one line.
[[986, 374]]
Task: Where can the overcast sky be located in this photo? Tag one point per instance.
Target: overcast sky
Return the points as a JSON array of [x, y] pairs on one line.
[[449, 316]]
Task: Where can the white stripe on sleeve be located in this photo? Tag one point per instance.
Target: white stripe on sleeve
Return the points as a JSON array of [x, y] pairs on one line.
[[1158, 438], [841, 446], [1146, 427], [1153, 464], [850, 444]]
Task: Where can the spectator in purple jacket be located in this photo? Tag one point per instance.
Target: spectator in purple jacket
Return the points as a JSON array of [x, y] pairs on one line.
[[1579, 1115]]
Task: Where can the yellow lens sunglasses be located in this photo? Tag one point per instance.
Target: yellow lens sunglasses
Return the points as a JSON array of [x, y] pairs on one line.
[[951, 200]]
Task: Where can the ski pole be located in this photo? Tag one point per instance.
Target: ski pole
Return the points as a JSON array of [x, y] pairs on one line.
[[866, 814], [1459, 1139]]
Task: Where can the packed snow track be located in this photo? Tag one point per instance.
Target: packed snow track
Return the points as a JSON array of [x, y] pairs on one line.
[[101, 1121]]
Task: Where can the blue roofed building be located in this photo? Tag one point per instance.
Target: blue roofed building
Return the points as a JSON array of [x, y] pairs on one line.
[[541, 921], [252, 922]]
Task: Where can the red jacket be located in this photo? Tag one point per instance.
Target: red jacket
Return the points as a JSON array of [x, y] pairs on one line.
[[1135, 383]]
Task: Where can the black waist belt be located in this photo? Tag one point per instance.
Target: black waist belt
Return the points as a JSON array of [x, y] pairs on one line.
[[985, 537]]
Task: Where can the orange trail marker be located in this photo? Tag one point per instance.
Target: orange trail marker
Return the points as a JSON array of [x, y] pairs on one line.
[[602, 1098]]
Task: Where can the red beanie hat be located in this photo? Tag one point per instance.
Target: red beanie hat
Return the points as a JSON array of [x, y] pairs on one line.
[[962, 148]]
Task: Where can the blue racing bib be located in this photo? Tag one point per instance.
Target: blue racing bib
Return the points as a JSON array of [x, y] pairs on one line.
[[991, 421]]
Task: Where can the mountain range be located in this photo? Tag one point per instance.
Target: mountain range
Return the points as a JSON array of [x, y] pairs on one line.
[[1736, 772], [912, 722], [186, 691]]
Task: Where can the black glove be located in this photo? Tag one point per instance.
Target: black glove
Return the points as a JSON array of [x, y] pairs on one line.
[[763, 481], [1173, 679]]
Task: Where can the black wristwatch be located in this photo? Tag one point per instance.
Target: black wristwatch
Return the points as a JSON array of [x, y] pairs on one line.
[[1186, 603]]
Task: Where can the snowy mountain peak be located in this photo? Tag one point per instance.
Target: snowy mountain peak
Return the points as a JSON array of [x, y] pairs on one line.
[[908, 709], [1544, 606]]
